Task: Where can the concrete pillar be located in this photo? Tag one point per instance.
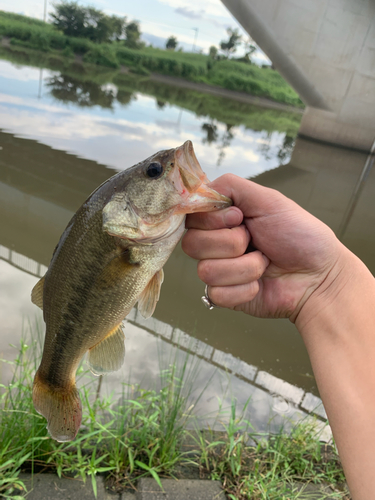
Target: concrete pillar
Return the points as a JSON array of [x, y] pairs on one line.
[[326, 50]]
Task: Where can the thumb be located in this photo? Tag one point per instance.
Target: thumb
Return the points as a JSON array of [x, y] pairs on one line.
[[252, 199]]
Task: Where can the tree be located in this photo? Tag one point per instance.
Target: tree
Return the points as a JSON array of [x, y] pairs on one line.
[[230, 46], [249, 47], [213, 52], [171, 43], [97, 25], [118, 27], [87, 22], [69, 17], [133, 35]]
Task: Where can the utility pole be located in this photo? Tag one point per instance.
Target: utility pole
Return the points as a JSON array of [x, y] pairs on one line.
[[195, 37], [45, 11]]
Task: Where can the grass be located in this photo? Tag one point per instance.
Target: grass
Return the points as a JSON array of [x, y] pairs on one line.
[[146, 433], [275, 466], [229, 74]]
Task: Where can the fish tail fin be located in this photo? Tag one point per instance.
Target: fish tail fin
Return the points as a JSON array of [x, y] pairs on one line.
[[61, 406]]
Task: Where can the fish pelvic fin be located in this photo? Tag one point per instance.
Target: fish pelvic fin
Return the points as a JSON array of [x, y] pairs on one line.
[[60, 406], [108, 355], [37, 293], [150, 295]]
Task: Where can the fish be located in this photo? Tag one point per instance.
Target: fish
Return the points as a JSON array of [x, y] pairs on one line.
[[110, 258]]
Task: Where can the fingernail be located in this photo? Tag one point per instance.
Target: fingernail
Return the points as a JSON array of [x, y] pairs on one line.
[[232, 217], [266, 260]]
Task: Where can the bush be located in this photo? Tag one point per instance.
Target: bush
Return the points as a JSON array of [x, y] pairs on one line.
[[68, 52], [79, 45], [160, 62], [39, 41], [139, 69], [103, 55], [10, 16], [57, 41]]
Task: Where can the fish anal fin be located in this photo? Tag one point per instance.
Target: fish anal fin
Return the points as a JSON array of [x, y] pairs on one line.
[[37, 293], [108, 355], [60, 406], [150, 295]]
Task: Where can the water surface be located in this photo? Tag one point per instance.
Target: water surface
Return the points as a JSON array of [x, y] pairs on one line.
[[64, 131]]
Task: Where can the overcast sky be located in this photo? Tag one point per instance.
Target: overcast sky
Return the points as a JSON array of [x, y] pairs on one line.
[[159, 19]]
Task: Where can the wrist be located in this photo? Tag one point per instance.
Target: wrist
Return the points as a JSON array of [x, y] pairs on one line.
[[334, 290]]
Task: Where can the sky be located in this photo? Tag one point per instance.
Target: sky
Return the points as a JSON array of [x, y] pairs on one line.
[[187, 20]]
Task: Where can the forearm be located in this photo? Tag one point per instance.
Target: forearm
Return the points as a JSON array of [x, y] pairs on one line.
[[338, 327]]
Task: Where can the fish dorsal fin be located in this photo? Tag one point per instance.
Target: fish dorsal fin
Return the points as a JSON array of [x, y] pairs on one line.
[[37, 293], [108, 355], [150, 295]]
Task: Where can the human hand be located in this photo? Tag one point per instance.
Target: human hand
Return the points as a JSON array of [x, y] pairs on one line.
[[296, 253]]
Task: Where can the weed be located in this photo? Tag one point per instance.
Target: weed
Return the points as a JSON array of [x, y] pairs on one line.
[[144, 434], [270, 466]]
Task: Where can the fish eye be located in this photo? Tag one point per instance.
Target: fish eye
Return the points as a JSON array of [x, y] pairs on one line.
[[154, 170]]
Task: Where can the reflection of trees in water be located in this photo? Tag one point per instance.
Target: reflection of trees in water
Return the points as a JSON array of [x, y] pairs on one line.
[[124, 97], [265, 147], [226, 139], [84, 93], [211, 131], [283, 153], [160, 104], [213, 136]]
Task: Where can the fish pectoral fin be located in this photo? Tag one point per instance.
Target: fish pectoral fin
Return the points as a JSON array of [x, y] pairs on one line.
[[37, 293], [150, 295], [108, 355]]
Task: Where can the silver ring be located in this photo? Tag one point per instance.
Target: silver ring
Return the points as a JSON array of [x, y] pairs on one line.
[[207, 301]]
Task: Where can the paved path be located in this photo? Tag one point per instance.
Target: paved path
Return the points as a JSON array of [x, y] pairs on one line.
[[50, 487]]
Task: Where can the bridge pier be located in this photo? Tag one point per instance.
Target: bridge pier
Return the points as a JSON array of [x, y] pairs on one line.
[[325, 49]]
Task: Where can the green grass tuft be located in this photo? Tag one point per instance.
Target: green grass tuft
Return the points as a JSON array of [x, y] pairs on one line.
[[145, 433]]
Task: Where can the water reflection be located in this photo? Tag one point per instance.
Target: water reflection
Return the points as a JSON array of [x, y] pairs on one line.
[[236, 123], [224, 140], [56, 150], [85, 94], [41, 188]]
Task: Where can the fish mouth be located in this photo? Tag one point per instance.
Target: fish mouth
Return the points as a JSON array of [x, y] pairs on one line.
[[192, 184]]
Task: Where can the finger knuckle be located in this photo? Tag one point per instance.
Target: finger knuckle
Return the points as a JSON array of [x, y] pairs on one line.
[[185, 242], [228, 178], [205, 270], [189, 243], [239, 241], [216, 296], [252, 290]]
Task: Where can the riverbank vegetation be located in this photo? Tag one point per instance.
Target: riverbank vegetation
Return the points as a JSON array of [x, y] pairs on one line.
[[151, 432], [114, 43], [88, 85]]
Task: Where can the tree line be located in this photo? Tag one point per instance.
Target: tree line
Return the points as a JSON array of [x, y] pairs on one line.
[[88, 22]]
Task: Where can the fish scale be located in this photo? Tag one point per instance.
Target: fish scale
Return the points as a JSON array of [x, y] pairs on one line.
[[109, 258]]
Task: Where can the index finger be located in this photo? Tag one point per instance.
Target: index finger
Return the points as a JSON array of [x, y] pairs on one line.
[[251, 198], [229, 217]]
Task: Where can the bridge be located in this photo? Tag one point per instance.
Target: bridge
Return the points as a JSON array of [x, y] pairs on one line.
[[325, 49]]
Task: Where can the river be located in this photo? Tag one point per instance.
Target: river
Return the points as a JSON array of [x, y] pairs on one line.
[[65, 129]]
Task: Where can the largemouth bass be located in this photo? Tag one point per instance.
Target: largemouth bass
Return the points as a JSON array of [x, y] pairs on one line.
[[111, 256]]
